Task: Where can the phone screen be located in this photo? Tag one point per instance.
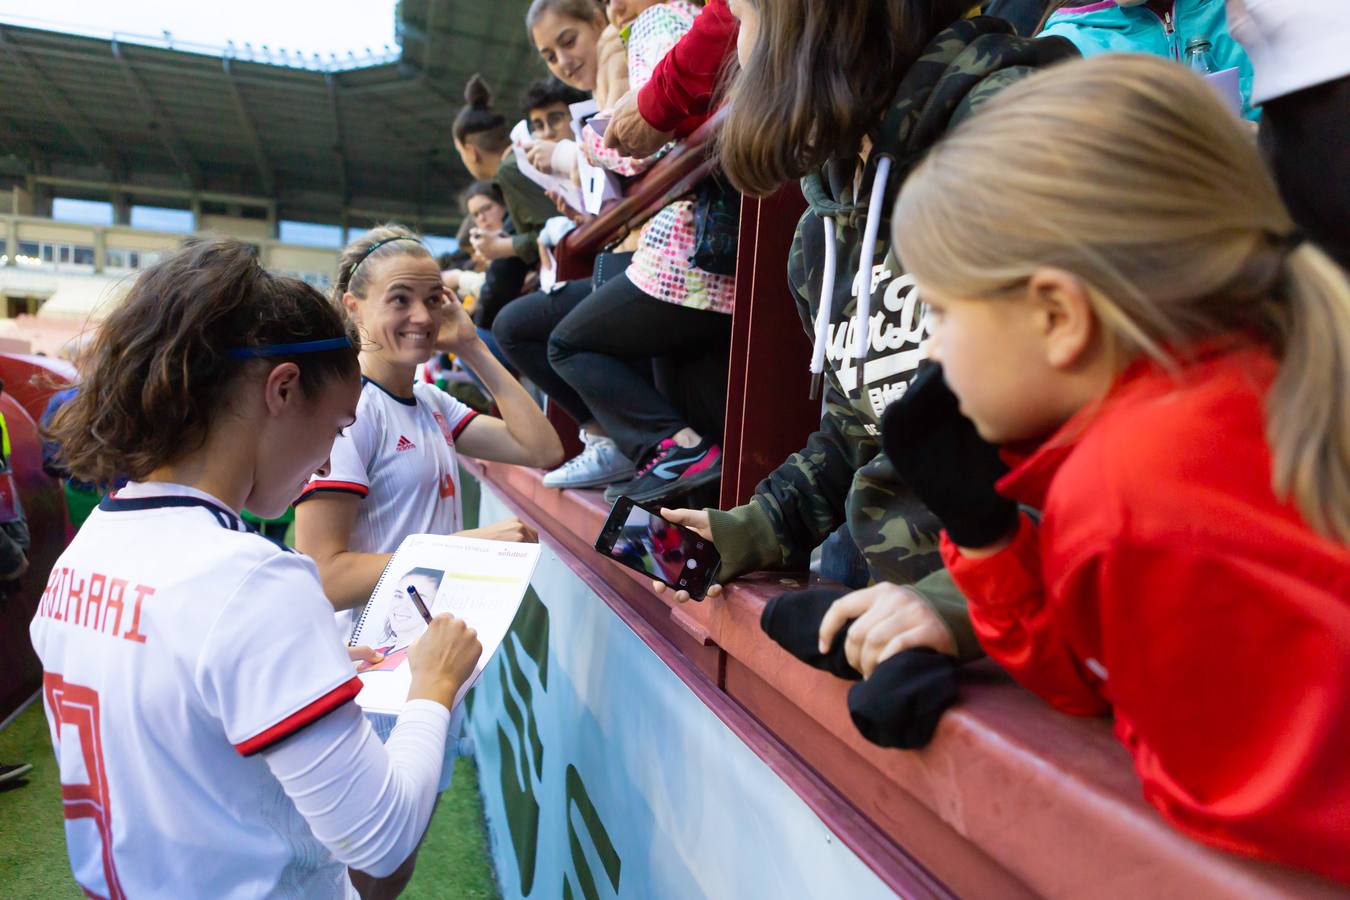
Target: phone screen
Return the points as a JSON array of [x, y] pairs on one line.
[[598, 124], [640, 539]]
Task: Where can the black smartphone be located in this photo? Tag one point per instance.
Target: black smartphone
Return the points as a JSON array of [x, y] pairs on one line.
[[639, 538]]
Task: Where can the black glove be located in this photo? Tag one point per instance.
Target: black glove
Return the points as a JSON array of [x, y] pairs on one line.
[[793, 621], [946, 463], [900, 705]]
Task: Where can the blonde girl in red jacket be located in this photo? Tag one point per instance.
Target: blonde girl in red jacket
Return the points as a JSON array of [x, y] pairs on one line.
[[1118, 293]]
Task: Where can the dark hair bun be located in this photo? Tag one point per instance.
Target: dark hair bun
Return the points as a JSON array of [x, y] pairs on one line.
[[477, 94]]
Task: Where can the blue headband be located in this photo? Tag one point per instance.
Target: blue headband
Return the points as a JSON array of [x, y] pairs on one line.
[[290, 349]]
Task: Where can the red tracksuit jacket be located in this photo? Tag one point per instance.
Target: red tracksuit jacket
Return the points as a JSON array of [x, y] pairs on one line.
[[679, 94], [1167, 584]]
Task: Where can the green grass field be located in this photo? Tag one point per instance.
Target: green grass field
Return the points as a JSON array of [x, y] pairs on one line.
[[453, 863]]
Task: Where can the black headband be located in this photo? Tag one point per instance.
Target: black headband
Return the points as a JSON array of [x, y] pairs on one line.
[[375, 246]]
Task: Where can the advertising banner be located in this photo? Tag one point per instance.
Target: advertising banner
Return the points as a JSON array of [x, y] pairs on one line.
[[604, 775]]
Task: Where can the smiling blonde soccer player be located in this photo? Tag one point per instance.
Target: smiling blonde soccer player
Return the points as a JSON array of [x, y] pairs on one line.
[[395, 472]]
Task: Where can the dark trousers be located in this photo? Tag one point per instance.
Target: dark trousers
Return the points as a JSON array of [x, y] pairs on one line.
[[596, 345], [1306, 136], [842, 561], [505, 277], [522, 330]]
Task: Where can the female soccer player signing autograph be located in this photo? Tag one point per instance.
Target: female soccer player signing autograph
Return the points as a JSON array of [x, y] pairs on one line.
[[200, 701]]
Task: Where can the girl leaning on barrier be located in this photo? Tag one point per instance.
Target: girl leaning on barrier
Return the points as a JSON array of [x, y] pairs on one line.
[[1132, 312]]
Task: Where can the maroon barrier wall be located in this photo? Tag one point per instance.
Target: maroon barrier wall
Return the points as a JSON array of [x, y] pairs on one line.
[[1011, 800], [769, 408]]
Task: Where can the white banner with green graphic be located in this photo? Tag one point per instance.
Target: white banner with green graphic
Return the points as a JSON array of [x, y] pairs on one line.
[[604, 776]]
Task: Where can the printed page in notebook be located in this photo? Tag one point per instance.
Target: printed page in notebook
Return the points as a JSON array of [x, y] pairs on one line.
[[481, 582]]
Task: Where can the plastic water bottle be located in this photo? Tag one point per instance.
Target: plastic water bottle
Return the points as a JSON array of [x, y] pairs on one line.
[[1198, 57]]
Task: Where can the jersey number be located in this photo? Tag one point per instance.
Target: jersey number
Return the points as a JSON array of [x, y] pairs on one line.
[[76, 706]]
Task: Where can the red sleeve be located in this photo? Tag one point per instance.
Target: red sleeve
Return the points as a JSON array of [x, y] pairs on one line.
[[1015, 625], [1228, 673], [1230, 678], [679, 95]]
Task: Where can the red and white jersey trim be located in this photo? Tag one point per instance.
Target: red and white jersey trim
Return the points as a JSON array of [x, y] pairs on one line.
[[348, 487], [306, 715], [463, 423]]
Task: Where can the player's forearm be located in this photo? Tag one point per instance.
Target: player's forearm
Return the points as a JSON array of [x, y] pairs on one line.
[[534, 436], [349, 578]]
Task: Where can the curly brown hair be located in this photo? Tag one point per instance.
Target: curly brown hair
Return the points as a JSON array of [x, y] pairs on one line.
[[159, 370]]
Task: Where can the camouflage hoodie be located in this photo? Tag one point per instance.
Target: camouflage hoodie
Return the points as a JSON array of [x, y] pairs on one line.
[[841, 475]]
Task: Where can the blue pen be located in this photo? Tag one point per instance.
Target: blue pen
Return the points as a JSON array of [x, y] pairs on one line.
[[417, 602]]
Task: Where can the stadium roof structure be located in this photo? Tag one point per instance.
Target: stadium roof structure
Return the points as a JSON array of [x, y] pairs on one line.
[[332, 141]]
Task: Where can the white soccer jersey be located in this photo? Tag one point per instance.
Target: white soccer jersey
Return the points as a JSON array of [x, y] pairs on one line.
[[399, 457], [175, 646]]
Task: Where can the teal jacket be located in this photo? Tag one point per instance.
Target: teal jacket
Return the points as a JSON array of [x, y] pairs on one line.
[[1106, 27]]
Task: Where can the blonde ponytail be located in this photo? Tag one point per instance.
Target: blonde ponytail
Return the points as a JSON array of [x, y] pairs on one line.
[[1128, 172], [1308, 410]]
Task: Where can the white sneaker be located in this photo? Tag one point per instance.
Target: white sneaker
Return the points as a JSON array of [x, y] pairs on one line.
[[599, 464]]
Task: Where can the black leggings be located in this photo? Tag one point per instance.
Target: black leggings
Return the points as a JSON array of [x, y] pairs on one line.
[[505, 277], [522, 330], [596, 345]]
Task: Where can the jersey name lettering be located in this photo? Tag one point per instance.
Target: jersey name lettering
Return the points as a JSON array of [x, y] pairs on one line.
[[95, 602]]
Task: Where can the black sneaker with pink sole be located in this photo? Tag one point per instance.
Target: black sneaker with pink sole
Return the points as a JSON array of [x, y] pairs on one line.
[[672, 470]]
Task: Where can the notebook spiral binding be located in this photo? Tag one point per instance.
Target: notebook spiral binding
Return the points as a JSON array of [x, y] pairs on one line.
[[365, 607]]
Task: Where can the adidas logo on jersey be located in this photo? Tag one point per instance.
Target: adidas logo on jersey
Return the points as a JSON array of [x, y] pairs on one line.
[[404, 444]]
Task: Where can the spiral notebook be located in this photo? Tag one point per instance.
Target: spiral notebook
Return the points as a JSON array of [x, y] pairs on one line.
[[481, 582]]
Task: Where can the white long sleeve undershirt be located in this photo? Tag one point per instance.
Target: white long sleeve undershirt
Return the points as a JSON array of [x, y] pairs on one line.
[[367, 802]]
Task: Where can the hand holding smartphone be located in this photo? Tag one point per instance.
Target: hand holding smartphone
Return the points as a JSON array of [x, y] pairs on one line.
[[640, 538]]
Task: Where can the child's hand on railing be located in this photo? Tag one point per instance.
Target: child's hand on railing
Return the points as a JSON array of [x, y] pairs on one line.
[[886, 619]]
